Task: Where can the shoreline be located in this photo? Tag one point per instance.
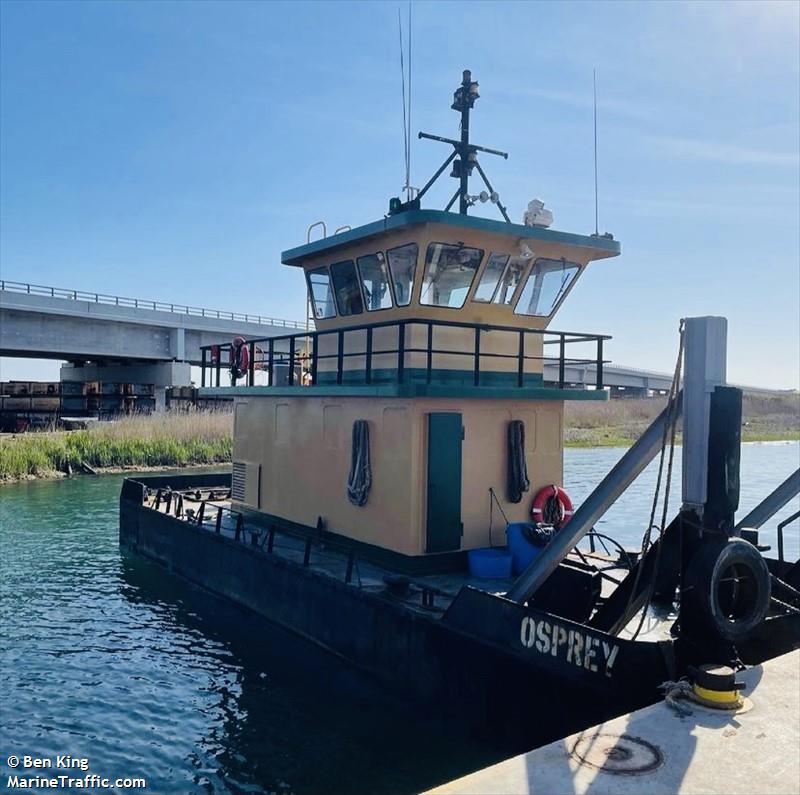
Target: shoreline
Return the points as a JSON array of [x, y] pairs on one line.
[[54, 474], [602, 442], [146, 443]]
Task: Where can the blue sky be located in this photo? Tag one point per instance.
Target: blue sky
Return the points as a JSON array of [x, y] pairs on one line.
[[172, 150]]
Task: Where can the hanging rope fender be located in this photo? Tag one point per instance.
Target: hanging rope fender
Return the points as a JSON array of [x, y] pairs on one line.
[[360, 479], [518, 482], [552, 506], [239, 358]]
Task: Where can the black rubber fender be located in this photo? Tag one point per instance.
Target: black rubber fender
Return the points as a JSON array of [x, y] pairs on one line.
[[727, 585]]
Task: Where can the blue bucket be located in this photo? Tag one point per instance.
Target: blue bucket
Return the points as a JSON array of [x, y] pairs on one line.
[[491, 563], [523, 551]]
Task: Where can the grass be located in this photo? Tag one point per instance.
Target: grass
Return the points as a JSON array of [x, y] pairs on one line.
[[205, 437], [159, 440], [618, 423]]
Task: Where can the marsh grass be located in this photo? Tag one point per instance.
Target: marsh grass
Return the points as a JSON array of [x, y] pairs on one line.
[[620, 422], [172, 439]]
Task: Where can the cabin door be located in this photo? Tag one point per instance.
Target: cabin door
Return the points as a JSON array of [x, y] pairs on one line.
[[444, 528]]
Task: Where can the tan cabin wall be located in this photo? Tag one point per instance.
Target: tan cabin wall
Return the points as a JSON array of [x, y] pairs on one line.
[[297, 452]]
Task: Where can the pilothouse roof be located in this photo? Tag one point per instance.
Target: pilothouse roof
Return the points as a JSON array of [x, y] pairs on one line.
[[601, 246]]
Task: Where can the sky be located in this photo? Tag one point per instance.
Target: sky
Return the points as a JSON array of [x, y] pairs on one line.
[[171, 151]]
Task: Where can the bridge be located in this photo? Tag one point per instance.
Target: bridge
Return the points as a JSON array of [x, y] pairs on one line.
[[113, 338]]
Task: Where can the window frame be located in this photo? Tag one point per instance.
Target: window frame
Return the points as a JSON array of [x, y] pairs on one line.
[[389, 283], [414, 280], [330, 288], [470, 286], [524, 283], [336, 289], [474, 296]]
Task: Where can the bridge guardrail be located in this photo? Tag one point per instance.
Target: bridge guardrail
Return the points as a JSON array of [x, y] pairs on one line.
[[139, 303]]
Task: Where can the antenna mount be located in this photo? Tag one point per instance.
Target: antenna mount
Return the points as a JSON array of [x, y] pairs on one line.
[[464, 156]]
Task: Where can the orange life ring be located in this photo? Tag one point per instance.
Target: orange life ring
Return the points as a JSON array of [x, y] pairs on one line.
[[541, 500]]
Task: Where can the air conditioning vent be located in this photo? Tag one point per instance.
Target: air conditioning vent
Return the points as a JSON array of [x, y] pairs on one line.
[[238, 481]]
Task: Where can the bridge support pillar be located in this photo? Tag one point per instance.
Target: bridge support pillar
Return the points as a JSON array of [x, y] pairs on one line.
[[160, 374]]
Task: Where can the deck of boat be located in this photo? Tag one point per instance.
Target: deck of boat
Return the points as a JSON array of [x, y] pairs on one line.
[[424, 593]]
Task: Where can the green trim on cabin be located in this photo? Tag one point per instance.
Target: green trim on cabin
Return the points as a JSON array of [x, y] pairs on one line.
[[295, 256], [420, 375], [406, 390]]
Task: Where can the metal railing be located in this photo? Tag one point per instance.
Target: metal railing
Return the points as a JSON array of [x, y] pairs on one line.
[[284, 351], [140, 303]]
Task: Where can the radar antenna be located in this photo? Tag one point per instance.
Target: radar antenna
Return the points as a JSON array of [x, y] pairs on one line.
[[464, 158]]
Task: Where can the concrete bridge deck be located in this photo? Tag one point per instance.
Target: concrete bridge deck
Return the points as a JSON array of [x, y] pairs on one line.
[[54, 323]]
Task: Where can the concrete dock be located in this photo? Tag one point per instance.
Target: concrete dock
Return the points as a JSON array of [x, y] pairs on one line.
[[656, 750]]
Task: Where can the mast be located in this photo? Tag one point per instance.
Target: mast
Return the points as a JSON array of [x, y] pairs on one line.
[[464, 158], [463, 100]]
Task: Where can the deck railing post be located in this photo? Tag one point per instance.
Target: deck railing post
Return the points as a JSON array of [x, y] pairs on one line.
[[203, 368], [339, 356], [218, 525], [477, 363], [368, 362], [271, 362], [401, 351], [599, 382], [429, 364], [561, 354], [251, 370], [201, 513], [314, 357], [219, 365], [291, 361]]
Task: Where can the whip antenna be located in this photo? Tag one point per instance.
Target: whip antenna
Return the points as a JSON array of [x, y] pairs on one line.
[[406, 132], [596, 214], [408, 137]]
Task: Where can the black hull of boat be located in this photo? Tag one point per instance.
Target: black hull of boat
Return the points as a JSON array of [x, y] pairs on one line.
[[522, 676]]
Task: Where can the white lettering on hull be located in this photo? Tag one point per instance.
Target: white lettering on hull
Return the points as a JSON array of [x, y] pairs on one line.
[[578, 648]]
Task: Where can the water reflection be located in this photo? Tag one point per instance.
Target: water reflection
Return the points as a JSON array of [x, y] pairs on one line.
[[281, 714]]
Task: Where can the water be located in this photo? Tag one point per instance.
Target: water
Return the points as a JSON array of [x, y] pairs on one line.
[[763, 466], [106, 657]]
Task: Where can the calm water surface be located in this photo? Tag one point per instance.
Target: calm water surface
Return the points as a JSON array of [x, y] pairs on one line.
[[108, 658]]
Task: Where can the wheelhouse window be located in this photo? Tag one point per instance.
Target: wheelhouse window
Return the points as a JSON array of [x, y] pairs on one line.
[[500, 279], [345, 287], [487, 287], [319, 287], [449, 271], [375, 281], [510, 281], [547, 284], [402, 265]]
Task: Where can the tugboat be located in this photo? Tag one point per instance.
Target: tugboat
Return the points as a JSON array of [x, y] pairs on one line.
[[395, 494]]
